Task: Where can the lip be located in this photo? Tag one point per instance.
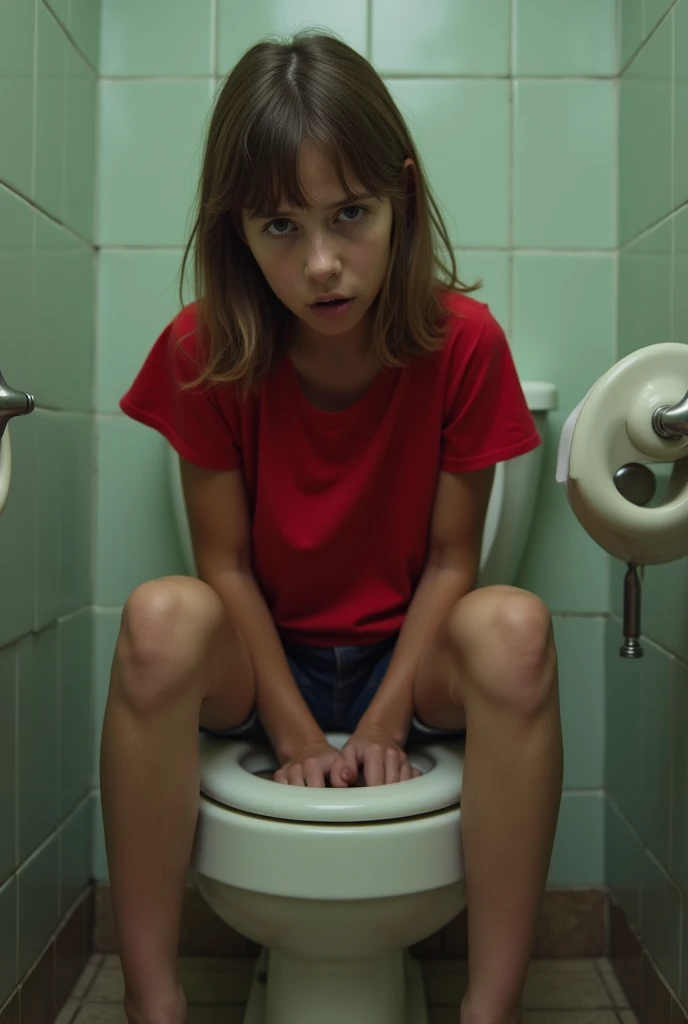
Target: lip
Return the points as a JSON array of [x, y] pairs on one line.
[[332, 312], [328, 296]]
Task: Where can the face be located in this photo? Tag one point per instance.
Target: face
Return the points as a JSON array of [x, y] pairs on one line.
[[335, 246]]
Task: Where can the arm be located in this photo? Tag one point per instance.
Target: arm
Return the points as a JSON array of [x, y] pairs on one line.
[[451, 570], [221, 535]]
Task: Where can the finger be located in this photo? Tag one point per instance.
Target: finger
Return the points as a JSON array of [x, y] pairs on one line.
[[281, 776], [338, 773], [374, 766], [391, 765], [351, 761], [296, 775], [404, 769], [416, 773], [313, 773]]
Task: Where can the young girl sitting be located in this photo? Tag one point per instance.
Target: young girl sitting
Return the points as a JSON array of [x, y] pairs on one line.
[[338, 403]]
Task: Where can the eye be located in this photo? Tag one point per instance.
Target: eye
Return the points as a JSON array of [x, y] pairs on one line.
[[347, 220]]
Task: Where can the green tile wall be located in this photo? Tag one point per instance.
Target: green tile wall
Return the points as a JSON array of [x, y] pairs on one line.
[[48, 91], [646, 767], [515, 115]]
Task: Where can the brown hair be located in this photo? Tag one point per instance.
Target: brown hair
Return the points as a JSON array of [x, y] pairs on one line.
[[311, 88]]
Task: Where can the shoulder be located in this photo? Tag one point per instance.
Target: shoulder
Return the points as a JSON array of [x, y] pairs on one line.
[[471, 330]]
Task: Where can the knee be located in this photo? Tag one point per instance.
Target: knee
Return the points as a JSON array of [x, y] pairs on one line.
[[502, 638], [167, 628]]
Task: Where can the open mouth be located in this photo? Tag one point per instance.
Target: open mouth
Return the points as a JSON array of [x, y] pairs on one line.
[[333, 302]]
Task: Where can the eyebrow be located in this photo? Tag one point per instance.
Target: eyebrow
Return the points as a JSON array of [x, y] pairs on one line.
[[340, 202]]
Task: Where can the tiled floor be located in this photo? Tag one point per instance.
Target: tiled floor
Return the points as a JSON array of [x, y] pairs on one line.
[[557, 992]]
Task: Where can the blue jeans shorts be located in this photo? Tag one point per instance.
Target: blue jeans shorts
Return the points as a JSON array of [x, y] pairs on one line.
[[338, 684]]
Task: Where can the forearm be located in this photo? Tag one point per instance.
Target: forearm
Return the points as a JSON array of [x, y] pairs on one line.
[[280, 705], [437, 592]]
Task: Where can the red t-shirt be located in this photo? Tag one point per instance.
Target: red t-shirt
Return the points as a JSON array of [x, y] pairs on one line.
[[341, 502]]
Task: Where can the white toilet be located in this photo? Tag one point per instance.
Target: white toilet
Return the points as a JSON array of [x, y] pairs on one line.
[[336, 884]]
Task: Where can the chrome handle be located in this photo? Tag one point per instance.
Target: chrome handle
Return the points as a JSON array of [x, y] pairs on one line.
[[12, 403], [672, 420]]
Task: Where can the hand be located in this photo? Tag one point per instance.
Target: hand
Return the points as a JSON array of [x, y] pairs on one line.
[[310, 766], [382, 758]]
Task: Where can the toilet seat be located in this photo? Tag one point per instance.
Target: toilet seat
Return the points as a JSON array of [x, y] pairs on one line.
[[228, 768]]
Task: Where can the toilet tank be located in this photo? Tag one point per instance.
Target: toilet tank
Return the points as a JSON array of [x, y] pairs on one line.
[[509, 511], [512, 501]]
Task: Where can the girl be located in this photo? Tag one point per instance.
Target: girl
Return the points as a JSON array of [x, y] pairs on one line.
[[338, 403]]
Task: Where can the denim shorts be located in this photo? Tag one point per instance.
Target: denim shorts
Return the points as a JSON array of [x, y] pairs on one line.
[[338, 684]]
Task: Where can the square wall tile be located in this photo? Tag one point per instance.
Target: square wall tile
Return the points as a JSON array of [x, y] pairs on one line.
[[571, 37], [106, 626], [241, 26], [76, 839], [645, 133], [80, 157], [38, 733], [150, 155], [63, 337], [17, 551], [654, 12], [563, 331], [656, 715], [60, 9], [8, 763], [644, 316], [624, 863], [136, 536], [578, 854], [99, 869], [17, 21], [679, 787], [665, 593], [77, 516], [84, 28], [494, 268], [76, 708], [440, 37], [39, 881], [660, 920], [467, 168], [632, 28], [16, 289], [138, 294], [51, 114], [156, 38], [624, 702], [680, 276], [8, 938], [580, 647], [564, 165], [680, 16], [47, 517]]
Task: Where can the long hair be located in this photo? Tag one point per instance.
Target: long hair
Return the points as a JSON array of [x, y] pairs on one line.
[[313, 89]]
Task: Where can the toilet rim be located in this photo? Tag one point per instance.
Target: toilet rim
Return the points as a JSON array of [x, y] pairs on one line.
[[227, 767]]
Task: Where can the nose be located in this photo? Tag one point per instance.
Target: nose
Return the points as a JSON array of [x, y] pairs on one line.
[[323, 260]]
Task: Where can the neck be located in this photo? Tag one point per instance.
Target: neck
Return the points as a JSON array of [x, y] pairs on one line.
[[350, 349]]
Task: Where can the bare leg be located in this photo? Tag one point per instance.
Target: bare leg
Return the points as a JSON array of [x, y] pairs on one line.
[[511, 795], [176, 650], [493, 669]]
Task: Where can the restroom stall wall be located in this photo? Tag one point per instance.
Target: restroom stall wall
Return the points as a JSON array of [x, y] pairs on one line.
[[646, 768], [48, 101]]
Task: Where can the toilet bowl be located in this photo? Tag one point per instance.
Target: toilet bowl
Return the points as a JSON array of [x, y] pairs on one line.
[[337, 884]]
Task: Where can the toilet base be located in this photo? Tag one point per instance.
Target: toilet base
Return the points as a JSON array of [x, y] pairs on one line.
[[288, 990]]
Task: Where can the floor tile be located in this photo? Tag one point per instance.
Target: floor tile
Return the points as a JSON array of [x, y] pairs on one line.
[[68, 1012], [100, 1013], [89, 972], [612, 983], [570, 988]]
